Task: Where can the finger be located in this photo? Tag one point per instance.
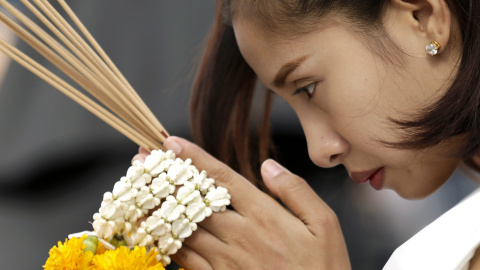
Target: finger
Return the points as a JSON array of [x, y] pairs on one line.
[[189, 259], [142, 150], [205, 244], [221, 225], [140, 157], [242, 191], [296, 194]]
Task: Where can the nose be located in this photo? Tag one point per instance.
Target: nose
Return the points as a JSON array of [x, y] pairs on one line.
[[327, 150]]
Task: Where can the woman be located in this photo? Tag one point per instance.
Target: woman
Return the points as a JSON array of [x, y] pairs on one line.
[[388, 88]]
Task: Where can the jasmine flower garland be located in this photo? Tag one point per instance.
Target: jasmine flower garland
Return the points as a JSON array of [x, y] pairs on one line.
[[156, 205], [144, 208]]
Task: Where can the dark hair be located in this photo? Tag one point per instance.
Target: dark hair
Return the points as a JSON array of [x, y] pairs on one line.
[[224, 87], [457, 112], [221, 102]]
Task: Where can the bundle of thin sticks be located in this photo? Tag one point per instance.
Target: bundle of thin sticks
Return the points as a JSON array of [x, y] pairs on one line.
[[83, 60]]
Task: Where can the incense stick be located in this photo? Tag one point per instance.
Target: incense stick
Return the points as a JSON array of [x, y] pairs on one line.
[[104, 72], [116, 102], [110, 63], [86, 83], [72, 93]]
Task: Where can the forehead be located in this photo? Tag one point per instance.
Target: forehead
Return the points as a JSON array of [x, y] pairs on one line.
[[266, 55], [277, 17], [263, 54]]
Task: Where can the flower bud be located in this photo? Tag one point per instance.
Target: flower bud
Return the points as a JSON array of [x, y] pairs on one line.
[[91, 243], [117, 241]]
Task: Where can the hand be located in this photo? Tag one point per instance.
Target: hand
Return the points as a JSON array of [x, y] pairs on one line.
[[260, 233]]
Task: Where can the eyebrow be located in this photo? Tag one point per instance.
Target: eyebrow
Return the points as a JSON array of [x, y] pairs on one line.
[[286, 69]]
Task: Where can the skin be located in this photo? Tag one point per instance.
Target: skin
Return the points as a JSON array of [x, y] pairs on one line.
[[355, 91]]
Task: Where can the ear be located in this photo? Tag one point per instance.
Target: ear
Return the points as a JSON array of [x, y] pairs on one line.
[[430, 19]]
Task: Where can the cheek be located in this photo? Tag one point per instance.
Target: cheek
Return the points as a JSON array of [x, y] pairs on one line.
[[353, 82], [421, 179], [364, 103]]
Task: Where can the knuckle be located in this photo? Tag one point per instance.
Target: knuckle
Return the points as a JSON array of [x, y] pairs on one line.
[[327, 219], [230, 262], [242, 242], [261, 218], [221, 175], [239, 238], [182, 257]]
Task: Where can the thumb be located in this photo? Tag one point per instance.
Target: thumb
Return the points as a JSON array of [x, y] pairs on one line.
[[294, 192]]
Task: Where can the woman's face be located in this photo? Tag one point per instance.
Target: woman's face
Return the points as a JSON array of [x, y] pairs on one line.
[[344, 95]]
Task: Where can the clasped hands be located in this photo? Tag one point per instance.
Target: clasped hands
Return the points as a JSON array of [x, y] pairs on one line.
[[260, 233]]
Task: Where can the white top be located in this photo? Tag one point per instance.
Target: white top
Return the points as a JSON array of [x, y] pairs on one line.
[[447, 243]]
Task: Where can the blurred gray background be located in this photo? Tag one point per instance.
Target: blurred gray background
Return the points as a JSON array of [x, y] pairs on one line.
[[57, 160]]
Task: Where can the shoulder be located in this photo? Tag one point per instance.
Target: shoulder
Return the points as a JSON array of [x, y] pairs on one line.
[[447, 243]]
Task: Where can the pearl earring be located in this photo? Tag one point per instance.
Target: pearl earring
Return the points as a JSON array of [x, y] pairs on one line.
[[432, 48]]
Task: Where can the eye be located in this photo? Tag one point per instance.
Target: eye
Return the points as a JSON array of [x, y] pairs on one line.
[[308, 90]]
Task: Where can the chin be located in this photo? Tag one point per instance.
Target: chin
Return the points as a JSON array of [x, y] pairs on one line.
[[423, 180], [423, 188], [414, 195]]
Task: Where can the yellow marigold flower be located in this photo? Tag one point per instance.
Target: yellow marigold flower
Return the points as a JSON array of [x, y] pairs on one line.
[[123, 258], [100, 248], [69, 256]]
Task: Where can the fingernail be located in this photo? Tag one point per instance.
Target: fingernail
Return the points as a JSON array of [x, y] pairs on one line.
[[171, 144], [272, 168], [139, 158]]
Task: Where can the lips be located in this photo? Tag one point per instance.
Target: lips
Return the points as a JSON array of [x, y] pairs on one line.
[[362, 177], [376, 177]]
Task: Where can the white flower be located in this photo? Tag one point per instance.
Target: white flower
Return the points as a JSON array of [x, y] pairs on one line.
[[133, 213], [170, 155], [155, 162], [111, 208], [156, 225], [170, 209], [164, 259], [179, 172], [123, 190], [201, 181], [188, 193], [103, 227], [141, 237], [168, 245], [145, 199], [136, 169], [217, 199], [80, 234], [160, 187], [140, 181], [183, 228], [128, 239], [122, 225], [106, 244], [149, 185], [197, 212], [152, 160], [137, 176], [166, 164]]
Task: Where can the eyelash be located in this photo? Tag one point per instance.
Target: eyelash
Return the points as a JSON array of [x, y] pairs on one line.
[[308, 90]]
